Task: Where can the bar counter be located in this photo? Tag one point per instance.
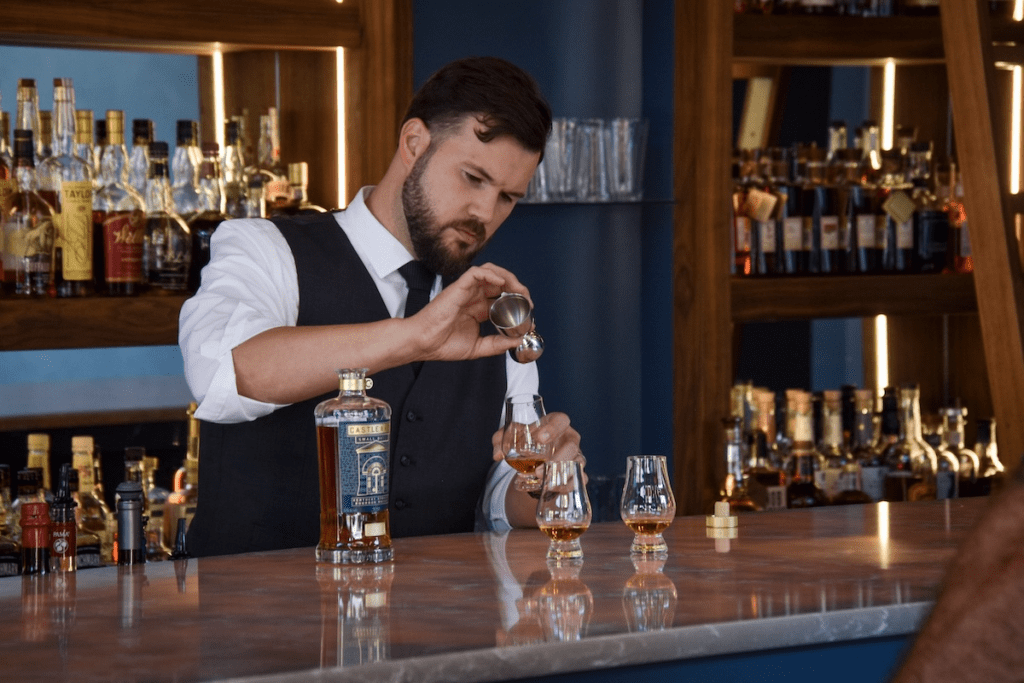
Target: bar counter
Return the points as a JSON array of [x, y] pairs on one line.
[[488, 606]]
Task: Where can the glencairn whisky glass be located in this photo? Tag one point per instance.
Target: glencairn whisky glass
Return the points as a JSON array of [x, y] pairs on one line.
[[563, 511], [524, 414], [648, 505]]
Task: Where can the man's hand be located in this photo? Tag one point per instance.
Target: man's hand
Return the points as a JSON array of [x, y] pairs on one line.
[[449, 326]]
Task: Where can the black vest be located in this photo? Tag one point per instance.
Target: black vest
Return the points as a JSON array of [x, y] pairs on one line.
[[259, 480]]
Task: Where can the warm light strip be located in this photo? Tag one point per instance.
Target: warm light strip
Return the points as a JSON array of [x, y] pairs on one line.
[[881, 353], [883, 535], [340, 81], [218, 98], [888, 102], [1018, 10], [1015, 133]]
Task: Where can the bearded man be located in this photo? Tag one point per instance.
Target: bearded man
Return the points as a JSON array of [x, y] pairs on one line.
[[284, 304]]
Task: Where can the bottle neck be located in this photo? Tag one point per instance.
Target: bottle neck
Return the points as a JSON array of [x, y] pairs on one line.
[[63, 143], [112, 167]]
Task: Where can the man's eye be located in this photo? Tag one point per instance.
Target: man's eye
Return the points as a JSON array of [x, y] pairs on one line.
[[473, 179]]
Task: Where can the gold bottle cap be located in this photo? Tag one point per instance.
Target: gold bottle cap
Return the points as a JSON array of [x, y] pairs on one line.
[[81, 443], [115, 127], [45, 126], [39, 442], [298, 173], [83, 126]]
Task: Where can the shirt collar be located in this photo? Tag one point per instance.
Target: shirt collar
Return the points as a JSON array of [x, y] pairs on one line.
[[380, 249]]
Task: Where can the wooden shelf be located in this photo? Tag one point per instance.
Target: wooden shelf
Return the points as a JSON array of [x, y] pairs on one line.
[[94, 322], [850, 296], [102, 418]]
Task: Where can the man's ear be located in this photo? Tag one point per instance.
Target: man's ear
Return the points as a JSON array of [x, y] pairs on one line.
[[413, 141]]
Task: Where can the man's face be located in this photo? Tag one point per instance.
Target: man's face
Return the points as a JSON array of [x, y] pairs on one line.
[[459, 191]]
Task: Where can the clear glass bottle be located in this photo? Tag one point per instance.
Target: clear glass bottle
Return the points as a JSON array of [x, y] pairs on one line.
[[734, 488], [65, 181], [85, 143], [26, 116], [10, 549], [354, 446], [276, 189], [6, 153], [991, 470], [119, 219], [185, 170], [947, 464], [911, 461], [298, 180], [138, 162], [100, 141], [860, 452], [833, 457], [167, 249], [766, 482], [28, 227], [954, 420], [803, 491], [157, 545], [255, 203], [210, 214], [233, 168]]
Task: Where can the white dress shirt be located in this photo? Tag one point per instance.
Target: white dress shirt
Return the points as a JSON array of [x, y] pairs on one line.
[[250, 286]]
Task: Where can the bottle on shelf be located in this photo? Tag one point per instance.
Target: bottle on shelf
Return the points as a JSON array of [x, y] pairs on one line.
[[6, 153], [931, 215], [88, 545], [63, 528], [233, 169], [255, 202], [742, 229], [210, 214], [185, 170], [767, 232], [119, 219], [65, 181], [10, 549], [298, 181], [35, 538], [896, 209], [734, 488], [766, 482], [354, 443], [911, 461], [803, 490], [860, 450], [28, 227], [874, 469], [26, 116], [45, 145], [39, 459], [7, 183], [953, 424], [138, 162], [27, 481], [959, 249], [100, 141], [86, 146], [94, 515], [167, 248], [182, 501], [991, 470], [157, 546], [276, 189], [833, 457], [131, 531]]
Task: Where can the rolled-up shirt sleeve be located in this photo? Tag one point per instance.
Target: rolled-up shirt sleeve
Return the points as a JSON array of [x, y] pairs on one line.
[[248, 287]]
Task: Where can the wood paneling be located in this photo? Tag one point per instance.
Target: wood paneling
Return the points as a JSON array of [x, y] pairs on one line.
[[702, 330], [309, 120], [191, 26]]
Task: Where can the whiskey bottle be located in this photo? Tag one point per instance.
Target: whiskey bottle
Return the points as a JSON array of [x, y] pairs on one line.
[[354, 445], [766, 203], [10, 549], [6, 155], [39, 458], [953, 424], [895, 208], [157, 546], [88, 545], [45, 145], [167, 245], [833, 457], [7, 183], [210, 214], [35, 538], [185, 170], [911, 461], [853, 486], [764, 476], [85, 144], [28, 227], [100, 141], [119, 219], [233, 168], [138, 162], [26, 116], [63, 529], [959, 249], [94, 514], [276, 189], [734, 488], [803, 491], [28, 492], [931, 215], [182, 501], [298, 181], [65, 181], [852, 202], [990, 468], [742, 230]]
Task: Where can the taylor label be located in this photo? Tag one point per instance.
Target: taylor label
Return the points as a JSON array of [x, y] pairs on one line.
[[123, 235], [364, 451], [75, 226]]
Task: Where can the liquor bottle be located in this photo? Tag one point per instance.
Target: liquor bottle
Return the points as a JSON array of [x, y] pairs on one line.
[[182, 501], [28, 228], [167, 243], [100, 141], [861, 454], [93, 514], [912, 463], [953, 424], [765, 206], [354, 444], [6, 154], [895, 209], [276, 189], [298, 181], [157, 547], [766, 482], [8, 185], [88, 545], [931, 215], [834, 457], [742, 228], [803, 491], [27, 481], [131, 532], [820, 218], [138, 162], [26, 116], [39, 458], [990, 468], [852, 202], [63, 529], [210, 214], [119, 219], [10, 549], [65, 181], [35, 538], [233, 168], [959, 249], [255, 202], [734, 488], [85, 143], [45, 144], [185, 170]]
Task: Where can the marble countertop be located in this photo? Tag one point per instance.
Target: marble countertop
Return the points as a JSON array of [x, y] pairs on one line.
[[488, 606]]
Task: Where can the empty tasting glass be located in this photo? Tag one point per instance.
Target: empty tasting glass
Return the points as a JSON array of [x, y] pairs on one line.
[[563, 511], [625, 148], [524, 414], [648, 505]]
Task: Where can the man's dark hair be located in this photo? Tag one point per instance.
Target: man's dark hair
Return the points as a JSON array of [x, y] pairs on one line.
[[505, 99]]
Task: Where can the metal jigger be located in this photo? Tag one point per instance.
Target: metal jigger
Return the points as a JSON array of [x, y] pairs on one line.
[[512, 315]]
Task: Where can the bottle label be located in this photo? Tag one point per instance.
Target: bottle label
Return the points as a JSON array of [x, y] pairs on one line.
[[866, 231], [9, 567], [74, 225], [905, 235], [26, 237], [766, 229], [88, 557], [123, 236], [776, 498], [873, 482], [830, 232], [742, 234], [364, 450], [881, 231], [793, 234], [760, 205], [62, 540], [808, 233]]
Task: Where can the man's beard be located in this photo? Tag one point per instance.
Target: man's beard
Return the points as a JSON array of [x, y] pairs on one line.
[[426, 233]]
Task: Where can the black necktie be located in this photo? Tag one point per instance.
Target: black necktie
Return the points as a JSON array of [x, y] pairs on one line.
[[420, 280]]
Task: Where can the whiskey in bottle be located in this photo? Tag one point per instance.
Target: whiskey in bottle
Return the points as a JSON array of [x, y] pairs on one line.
[[167, 245], [210, 213], [10, 549], [911, 461], [803, 491], [39, 458], [28, 227], [852, 483], [896, 210], [88, 545], [63, 529], [94, 516], [734, 488], [991, 470], [354, 447], [35, 538]]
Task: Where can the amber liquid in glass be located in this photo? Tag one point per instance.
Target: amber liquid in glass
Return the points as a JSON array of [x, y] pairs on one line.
[[563, 533]]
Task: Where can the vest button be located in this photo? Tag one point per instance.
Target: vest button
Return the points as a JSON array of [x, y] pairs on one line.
[[404, 460], [400, 504], [411, 416]]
